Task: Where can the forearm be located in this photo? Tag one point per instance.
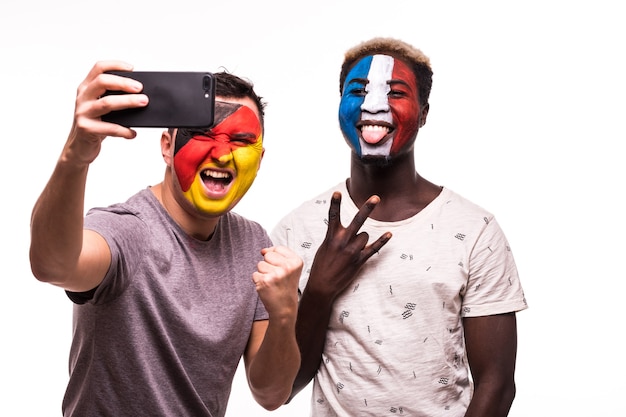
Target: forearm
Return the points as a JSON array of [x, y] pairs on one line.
[[275, 365], [57, 221], [313, 317]]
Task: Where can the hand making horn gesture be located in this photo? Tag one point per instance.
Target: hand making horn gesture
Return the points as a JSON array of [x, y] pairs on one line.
[[344, 250]]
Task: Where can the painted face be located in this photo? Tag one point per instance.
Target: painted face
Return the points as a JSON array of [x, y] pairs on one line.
[[379, 112], [215, 168]]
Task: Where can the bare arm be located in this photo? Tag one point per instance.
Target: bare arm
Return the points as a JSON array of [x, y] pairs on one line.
[[338, 259], [491, 350], [272, 357], [61, 253]]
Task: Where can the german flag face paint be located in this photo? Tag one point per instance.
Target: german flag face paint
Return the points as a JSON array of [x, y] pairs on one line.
[[379, 112], [216, 167]]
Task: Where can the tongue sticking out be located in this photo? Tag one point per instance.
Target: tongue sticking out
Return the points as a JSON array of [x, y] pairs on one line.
[[373, 134]]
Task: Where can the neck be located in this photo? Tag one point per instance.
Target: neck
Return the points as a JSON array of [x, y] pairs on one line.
[[192, 222], [402, 191]]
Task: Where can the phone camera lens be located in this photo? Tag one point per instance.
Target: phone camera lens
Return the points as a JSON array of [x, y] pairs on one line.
[[206, 83]]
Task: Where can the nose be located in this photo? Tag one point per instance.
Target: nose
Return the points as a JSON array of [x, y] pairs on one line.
[[376, 99], [220, 151]]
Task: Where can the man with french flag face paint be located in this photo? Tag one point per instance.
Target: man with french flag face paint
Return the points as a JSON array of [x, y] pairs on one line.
[[171, 288], [409, 291], [380, 113]]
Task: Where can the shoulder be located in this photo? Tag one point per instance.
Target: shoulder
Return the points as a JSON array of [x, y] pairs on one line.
[[242, 228], [233, 219], [320, 202], [307, 218], [461, 206], [133, 210]]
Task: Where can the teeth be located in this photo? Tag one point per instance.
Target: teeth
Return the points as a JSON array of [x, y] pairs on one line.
[[374, 128], [216, 174]]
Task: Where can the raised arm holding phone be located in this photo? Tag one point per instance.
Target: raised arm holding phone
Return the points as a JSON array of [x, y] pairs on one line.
[[170, 288]]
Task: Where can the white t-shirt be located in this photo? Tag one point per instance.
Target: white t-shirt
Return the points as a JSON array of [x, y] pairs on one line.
[[395, 342]]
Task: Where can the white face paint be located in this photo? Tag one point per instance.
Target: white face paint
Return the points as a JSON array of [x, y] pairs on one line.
[[376, 101], [375, 107]]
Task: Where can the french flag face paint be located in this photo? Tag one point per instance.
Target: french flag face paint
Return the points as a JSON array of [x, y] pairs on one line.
[[379, 112], [216, 167]]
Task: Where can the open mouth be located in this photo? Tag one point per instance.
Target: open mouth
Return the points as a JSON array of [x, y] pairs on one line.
[[374, 133], [216, 181]]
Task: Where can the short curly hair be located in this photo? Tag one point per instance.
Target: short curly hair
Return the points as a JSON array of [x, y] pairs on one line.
[[419, 63]]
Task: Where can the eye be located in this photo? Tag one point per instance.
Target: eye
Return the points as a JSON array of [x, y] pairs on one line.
[[194, 132], [396, 93], [243, 138], [357, 91]]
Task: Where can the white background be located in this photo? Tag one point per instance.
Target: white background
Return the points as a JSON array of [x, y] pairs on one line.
[[526, 119]]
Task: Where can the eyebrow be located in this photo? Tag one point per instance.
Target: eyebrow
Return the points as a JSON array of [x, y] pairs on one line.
[[392, 82], [365, 81], [359, 80]]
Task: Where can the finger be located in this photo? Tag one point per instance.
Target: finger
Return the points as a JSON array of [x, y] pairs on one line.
[[362, 215], [110, 103], [373, 248], [116, 82], [334, 214], [283, 250], [92, 85], [258, 280], [282, 257], [273, 258], [264, 267], [110, 65]]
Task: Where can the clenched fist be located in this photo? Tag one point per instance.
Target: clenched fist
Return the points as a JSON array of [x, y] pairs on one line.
[[277, 280]]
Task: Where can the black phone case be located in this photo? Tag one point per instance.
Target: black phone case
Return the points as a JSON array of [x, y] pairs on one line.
[[177, 99]]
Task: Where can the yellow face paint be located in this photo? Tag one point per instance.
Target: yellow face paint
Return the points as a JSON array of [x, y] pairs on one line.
[[209, 196]]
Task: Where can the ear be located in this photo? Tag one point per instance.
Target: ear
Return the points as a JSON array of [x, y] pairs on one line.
[[424, 114], [167, 146], [261, 159]]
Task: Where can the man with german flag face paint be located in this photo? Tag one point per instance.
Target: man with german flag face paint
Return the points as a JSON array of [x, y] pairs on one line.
[[171, 288], [409, 291], [216, 167]]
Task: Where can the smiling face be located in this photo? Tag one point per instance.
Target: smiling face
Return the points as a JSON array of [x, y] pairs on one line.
[[379, 112], [216, 167]]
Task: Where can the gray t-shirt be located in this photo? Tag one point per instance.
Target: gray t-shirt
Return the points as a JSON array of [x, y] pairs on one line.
[[164, 332]]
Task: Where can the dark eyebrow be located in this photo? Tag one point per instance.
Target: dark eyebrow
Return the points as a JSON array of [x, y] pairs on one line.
[[244, 135], [358, 80], [391, 82]]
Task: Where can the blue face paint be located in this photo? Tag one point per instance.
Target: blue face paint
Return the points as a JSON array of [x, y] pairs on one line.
[[352, 98]]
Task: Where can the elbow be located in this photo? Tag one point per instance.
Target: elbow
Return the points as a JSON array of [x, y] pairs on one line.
[[273, 402], [499, 396], [510, 394], [49, 273], [507, 393], [39, 271], [272, 396]]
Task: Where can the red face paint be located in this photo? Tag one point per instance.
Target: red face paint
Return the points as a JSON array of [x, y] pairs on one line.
[[235, 126], [404, 105]]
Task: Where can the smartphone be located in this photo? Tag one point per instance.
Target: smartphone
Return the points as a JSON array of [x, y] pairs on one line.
[[176, 99]]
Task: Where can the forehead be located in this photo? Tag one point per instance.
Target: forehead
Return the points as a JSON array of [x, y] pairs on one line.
[[381, 67], [246, 101]]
